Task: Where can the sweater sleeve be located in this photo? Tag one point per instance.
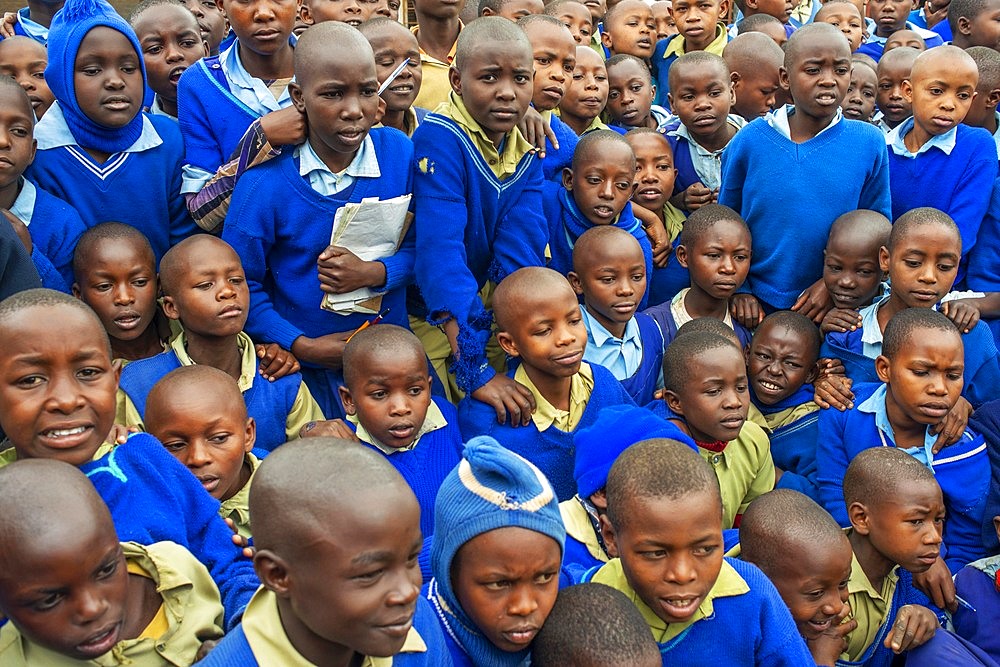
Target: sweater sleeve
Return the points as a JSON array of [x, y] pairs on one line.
[[181, 223], [982, 379], [202, 150], [523, 233], [831, 463], [51, 278], [972, 195], [734, 170], [475, 418], [17, 273], [875, 191]]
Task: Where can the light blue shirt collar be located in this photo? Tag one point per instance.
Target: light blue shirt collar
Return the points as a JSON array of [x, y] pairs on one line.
[[250, 90], [622, 356], [324, 181], [875, 39], [871, 334], [36, 31], [156, 109], [778, 119], [895, 140], [53, 132], [24, 206], [707, 164], [875, 405]]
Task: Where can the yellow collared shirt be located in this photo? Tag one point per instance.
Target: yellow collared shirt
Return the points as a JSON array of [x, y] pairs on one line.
[[8, 454], [546, 414], [579, 527], [433, 421], [237, 508], [745, 470], [435, 85], [868, 607], [729, 584], [515, 146], [677, 46], [789, 416]]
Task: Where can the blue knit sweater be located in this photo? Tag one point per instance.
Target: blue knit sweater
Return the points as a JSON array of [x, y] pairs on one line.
[[556, 160], [793, 446], [152, 498], [986, 420], [983, 272], [790, 194], [267, 402], [642, 384], [471, 228], [962, 470], [55, 229], [140, 189], [959, 184], [551, 450]]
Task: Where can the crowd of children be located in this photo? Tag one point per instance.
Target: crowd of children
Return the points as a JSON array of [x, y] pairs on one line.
[[592, 333]]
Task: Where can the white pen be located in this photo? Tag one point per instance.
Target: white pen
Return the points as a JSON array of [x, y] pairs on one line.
[[392, 77]]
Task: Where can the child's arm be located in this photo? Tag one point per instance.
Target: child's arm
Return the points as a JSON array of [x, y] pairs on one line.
[[831, 464], [875, 191], [694, 197], [840, 319], [971, 198], [914, 625], [828, 647], [814, 302], [304, 411]]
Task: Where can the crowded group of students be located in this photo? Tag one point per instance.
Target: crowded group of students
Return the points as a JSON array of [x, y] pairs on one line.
[[583, 333]]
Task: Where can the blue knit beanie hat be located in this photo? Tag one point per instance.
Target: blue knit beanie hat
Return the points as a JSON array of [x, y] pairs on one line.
[[490, 488], [616, 428], [69, 26]]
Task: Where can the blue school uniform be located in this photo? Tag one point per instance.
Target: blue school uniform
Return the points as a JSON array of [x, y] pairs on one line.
[[695, 164], [976, 583], [794, 432], [986, 420], [55, 228], [635, 359], [664, 317], [983, 272], [556, 160], [25, 27], [962, 470], [669, 49], [875, 45]]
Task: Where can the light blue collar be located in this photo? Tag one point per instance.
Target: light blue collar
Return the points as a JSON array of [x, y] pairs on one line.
[[36, 31], [778, 119], [601, 335], [24, 206], [156, 109], [325, 182], [254, 92], [895, 140], [871, 334], [875, 405], [875, 39], [53, 132]]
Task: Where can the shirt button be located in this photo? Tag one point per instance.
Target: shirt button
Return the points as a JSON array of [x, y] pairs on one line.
[[493, 161], [716, 459]]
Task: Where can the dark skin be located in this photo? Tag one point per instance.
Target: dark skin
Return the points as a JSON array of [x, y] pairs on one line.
[[439, 27]]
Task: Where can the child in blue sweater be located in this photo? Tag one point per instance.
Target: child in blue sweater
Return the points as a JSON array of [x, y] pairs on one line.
[[272, 221], [755, 62], [934, 160], [392, 44], [890, 16], [664, 502], [540, 324], [630, 96], [478, 199], [353, 595], [899, 413], [58, 403], [34, 20], [96, 148], [808, 144], [700, 27]]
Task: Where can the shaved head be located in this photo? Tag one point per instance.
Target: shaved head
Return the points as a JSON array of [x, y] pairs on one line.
[[750, 50], [178, 258], [385, 341], [329, 45], [524, 286]]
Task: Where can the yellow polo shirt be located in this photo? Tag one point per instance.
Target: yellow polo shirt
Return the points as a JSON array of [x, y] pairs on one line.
[[515, 146], [745, 470], [434, 85], [546, 414], [677, 46], [580, 528], [8, 454], [433, 421], [789, 416], [237, 508], [868, 607]]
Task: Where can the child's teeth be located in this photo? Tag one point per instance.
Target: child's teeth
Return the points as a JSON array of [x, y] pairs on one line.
[[63, 432]]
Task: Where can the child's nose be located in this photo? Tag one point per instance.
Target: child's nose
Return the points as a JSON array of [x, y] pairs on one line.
[[521, 602], [90, 607]]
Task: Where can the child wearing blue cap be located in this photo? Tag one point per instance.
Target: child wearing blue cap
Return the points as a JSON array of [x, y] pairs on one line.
[[94, 143], [496, 555]]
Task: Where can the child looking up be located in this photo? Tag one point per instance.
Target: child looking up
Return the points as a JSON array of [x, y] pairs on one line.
[[629, 28], [630, 95], [851, 269], [700, 27], [789, 216], [983, 112], [755, 62], [392, 44], [95, 144], [96, 601], [24, 60], [539, 322], [892, 71], [701, 608], [587, 93], [890, 16], [861, 93]]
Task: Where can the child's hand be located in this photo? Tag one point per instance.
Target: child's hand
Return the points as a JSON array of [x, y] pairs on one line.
[[326, 351], [7, 25], [951, 428], [329, 428], [963, 312], [20, 229], [830, 367], [746, 309], [656, 234], [936, 583], [697, 195], [276, 362], [535, 130], [833, 391], [245, 545], [205, 648], [341, 271], [914, 625], [815, 302], [840, 320], [828, 647], [505, 395], [284, 127], [119, 434]]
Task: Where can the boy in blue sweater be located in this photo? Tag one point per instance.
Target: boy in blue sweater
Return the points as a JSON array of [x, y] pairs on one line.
[[808, 143], [921, 367], [540, 324], [700, 27], [664, 521], [934, 160], [57, 402], [272, 219], [95, 145], [205, 289], [353, 595], [478, 199]]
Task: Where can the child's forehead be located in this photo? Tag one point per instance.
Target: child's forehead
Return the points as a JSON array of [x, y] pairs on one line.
[[928, 239], [539, 32], [769, 332], [105, 39], [838, 10], [392, 35], [498, 55], [946, 67], [41, 328], [823, 45], [628, 69], [649, 144], [574, 10], [20, 48], [159, 18], [613, 252], [115, 255], [14, 102], [699, 74]]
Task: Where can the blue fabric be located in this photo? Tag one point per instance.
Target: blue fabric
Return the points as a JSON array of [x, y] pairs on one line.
[[51, 279], [106, 192], [642, 384], [152, 498], [986, 420], [17, 273], [55, 228], [979, 627], [556, 160], [69, 26], [551, 450], [961, 470], [983, 272], [667, 281], [577, 557], [945, 648], [663, 317], [471, 228], [660, 67], [876, 45], [793, 446], [840, 170]]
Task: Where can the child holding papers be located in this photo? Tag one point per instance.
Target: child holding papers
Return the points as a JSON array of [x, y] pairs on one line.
[[355, 177]]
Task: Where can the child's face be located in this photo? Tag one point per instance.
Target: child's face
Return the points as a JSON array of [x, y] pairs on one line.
[[861, 93], [602, 184], [718, 260], [904, 38], [906, 529], [924, 378], [17, 139], [630, 94], [506, 581], [813, 584], [340, 102], [756, 91], [119, 283], [554, 53], [851, 270], [655, 171], [702, 98], [984, 27], [984, 105], [633, 30], [778, 363], [612, 280], [107, 79], [495, 83], [577, 18], [889, 98], [208, 433], [388, 9], [391, 396], [24, 60], [671, 551], [941, 94], [392, 45], [597, 9], [775, 31], [716, 401], [551, 336], [262, 26], [779, 9], [819, 77], [587, 93], [352, 12], [923, 265], [68, 595], [697, 20], [211, 22], [209, 295], [664, 19], [171, 42], [57, 392], [889, 15], [439, 9], [846, 18], [515, 10]]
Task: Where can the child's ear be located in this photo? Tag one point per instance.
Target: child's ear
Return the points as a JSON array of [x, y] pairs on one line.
[[76, 290], [723, 8], [673, 402], [682, 255], [251, 435], [810, 378], [907, 89], [507, 344], [608, 533], [455, 79], [295, 92], [116, 368], [606, 40], [882, 368], [304, 14], [883, 260], [670, 99], [380, 111], [272, 571], [735, 79], [208, 50], [858, 515], [783, 78], [486, 12], [348, 401], [964, 25], [220, 6], [993, 98], [567, 178], [170, 308], [575, 283]]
